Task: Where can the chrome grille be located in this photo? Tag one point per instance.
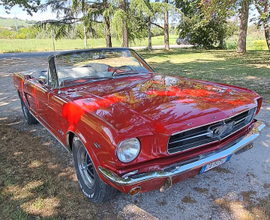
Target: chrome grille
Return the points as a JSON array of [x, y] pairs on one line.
[[196, 137]]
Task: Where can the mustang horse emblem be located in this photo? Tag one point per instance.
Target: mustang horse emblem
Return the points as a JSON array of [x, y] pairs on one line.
[[217, 131]]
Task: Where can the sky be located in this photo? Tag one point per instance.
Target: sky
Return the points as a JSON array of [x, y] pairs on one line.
[[23, 14]]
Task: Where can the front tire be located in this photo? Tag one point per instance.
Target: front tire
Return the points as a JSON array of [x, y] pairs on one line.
[[91, 184]]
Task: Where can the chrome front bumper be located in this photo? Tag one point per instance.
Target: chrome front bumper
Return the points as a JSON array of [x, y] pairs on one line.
[[248, 139]]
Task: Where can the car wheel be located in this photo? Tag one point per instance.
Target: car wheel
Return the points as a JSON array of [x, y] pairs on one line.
[[28, 117], [92, 186]]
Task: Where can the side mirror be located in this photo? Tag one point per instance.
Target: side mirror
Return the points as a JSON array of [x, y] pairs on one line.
[[42, 80]]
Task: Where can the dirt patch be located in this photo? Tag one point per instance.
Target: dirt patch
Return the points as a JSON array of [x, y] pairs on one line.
[[201, 190], [266, 186], [188, 199], [222, 170]]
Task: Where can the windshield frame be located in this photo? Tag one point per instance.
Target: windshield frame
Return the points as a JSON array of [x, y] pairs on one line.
[[53, 58]]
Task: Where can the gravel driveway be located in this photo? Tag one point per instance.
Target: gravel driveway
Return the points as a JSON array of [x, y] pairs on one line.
[[218, 194]]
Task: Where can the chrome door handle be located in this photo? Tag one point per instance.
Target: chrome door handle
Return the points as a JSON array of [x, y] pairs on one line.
[[26, 83]]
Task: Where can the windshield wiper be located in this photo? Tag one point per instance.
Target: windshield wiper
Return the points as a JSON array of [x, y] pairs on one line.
[[95, 78], [127, 73]]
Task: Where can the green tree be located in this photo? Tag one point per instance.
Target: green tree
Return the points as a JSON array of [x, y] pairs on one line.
[[81, 11], [263, 8], [144, 8], [130, 20], [162, 10], [30, 5], [201, 28], [242, 6]]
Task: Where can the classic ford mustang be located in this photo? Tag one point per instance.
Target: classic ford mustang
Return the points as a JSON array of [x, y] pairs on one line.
[[131, 129]]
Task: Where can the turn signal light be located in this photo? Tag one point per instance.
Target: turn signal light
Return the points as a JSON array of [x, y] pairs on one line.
[[134, 190]]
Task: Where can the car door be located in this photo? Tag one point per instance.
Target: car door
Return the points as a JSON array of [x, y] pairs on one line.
[[59, 124], [36, 96], [55, 104]]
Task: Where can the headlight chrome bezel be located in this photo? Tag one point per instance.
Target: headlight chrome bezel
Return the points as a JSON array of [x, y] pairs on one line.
[[123, 147]]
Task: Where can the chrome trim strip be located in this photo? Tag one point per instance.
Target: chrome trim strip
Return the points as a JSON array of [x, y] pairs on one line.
[[213, 122], [206, 143], [199, 135], [135, 179], [191, 148], [242, 119], [212, 141], [59, 99]]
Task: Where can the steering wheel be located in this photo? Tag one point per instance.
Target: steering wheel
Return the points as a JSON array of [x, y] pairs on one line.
[[113, 73]]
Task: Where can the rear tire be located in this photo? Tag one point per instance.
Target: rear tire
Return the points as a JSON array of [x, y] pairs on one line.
[[92, 186], [28, 117]]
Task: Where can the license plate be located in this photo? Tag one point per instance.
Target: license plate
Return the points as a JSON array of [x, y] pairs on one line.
[[215, 164]]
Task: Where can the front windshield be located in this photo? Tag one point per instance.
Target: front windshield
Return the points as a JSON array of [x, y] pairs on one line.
[[83, 66]]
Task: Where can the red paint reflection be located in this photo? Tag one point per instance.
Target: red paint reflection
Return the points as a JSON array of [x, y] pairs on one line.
[[100, 103], [22, 85], [183, 93], [34, 92], [22, 91], [159, 128], [73, 112], [205, 95], [235, 102]]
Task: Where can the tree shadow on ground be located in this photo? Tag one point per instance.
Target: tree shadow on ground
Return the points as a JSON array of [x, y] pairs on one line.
[[36, 180]]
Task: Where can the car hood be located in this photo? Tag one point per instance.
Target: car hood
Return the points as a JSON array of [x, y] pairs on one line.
[[165, 104]]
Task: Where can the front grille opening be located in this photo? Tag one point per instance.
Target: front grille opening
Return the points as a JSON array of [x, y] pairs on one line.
[[197, 137]]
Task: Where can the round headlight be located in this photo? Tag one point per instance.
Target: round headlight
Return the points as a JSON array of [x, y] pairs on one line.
[[128, 150]]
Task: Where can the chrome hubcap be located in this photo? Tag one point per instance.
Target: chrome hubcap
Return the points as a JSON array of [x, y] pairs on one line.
[[86, 167]]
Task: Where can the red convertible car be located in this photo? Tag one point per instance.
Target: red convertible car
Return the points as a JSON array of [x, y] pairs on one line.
[[132, 129]]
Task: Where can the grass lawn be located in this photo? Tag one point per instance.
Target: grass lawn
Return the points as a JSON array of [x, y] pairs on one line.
[[251, 70], [10, 22], [26, 45], [30, 45]]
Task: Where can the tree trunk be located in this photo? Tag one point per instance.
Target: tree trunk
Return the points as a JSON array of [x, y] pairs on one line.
[[221, 44], [266, 34], [149, 34], [266, 26], [84, 33], [166, 28], [124, 28], [108, 33], [241, 48], [107, 27]]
